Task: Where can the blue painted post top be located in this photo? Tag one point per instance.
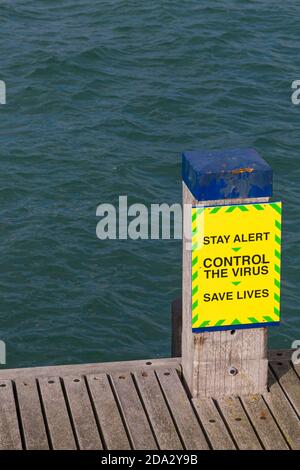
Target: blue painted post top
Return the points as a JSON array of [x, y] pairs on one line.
[[226, 174]]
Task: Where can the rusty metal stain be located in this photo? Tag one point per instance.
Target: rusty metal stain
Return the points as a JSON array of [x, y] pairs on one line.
[[242, 170], [263, 415]]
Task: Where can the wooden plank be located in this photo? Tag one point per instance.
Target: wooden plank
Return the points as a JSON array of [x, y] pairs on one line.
[[107, 412], [280, 354], [10, 438], [82, 413], [283, 412], [208, 357], [213, 424], [33, 424], [85, 369], [137, 423], [157, 410], [289, 381], [58, 421], [187, 424], [176, 313], [264, 423], [238, 423]]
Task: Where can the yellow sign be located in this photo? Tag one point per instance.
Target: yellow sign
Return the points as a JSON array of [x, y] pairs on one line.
[[236, 266]]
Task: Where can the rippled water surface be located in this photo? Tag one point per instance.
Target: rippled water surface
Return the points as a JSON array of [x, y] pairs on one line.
[[102, 96]]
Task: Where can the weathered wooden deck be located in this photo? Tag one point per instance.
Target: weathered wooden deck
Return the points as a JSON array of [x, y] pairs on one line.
[[143, 405]]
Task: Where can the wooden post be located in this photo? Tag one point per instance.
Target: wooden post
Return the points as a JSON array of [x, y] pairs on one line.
[[231, 362], [176, 315]]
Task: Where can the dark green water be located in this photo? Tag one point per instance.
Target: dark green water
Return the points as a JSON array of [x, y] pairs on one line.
[[102, 96]]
